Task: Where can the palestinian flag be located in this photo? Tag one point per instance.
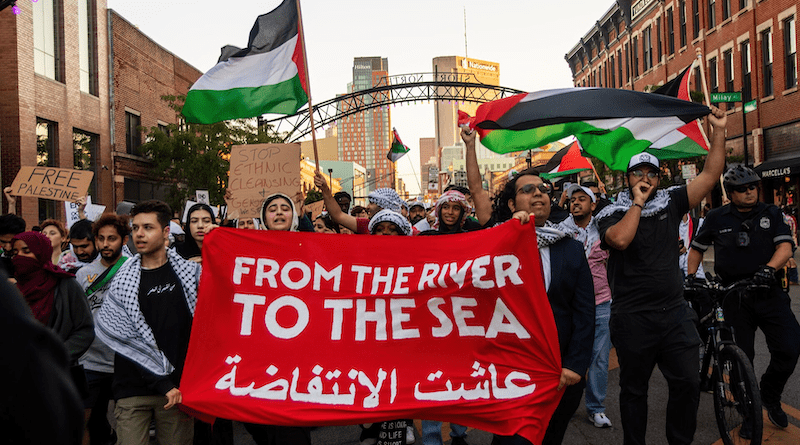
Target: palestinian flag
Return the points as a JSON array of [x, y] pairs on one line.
[[398, 149], [565, 162], [691, 136], [611, 125], [268, 76]]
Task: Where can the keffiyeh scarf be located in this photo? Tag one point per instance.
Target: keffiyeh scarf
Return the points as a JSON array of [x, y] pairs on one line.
[[549, 234], [624, 202], [120, 322], [587, 236]]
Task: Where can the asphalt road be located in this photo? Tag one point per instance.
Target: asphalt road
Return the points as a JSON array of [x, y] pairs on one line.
[[581, 432]]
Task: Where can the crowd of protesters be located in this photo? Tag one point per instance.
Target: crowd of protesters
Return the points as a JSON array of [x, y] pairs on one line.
[[118, 296]]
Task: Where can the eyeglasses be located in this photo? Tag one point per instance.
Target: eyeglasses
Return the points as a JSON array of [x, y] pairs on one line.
[[529, 188], [640, 174], [745, 188]]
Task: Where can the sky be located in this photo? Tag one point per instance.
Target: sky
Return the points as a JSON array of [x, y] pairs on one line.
[[528, 38]]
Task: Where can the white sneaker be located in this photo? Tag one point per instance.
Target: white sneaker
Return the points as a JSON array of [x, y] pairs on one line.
[[600, 420], [410, 435]]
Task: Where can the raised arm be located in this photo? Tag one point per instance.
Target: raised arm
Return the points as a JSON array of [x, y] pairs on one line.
[[715, 162], [480, 197], [337, 215]]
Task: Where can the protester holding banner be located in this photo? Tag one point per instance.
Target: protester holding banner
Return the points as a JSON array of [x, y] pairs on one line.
[[324, 224], [146, 318], [110, 234], [567, 279], [379, 199], [54, 230], [199, 221], [651, 323]]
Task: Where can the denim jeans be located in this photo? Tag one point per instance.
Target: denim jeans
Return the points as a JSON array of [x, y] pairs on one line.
[[432, 432], [597, 375]]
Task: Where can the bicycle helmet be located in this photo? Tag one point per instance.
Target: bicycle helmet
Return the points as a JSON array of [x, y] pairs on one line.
[[737, 176]]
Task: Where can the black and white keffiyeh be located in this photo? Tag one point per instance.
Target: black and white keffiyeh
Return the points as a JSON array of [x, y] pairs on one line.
[[120, 323], [587, 236], [395, 218], [386, 198], [549, 234], [624, 202]]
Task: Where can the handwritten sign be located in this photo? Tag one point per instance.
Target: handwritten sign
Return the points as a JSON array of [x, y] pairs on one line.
[[57, 184], [258, 171], [315, 208], [92, 211]]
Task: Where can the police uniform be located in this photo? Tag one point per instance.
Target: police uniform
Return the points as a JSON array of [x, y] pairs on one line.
[[743, 242]]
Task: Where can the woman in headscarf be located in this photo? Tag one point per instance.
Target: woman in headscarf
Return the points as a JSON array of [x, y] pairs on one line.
[[55, 298], [278, 213], [452, 209], [199, 221]]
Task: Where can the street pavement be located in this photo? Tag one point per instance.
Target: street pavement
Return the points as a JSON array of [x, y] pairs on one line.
[[582, 432]]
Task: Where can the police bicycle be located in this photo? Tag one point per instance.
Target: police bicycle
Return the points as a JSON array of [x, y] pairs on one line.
[[725, 368]]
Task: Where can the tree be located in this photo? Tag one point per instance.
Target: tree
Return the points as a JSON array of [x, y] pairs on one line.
[[191, 157]]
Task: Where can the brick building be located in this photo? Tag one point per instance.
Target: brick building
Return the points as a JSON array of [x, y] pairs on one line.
[[54, 102], [746, 45], [57, 104], [142, 71]]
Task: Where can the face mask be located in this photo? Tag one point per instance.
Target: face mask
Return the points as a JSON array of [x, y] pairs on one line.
[[24, 266]]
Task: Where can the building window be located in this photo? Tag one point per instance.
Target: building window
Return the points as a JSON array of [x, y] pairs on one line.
[[46, 42], [697, 77], [84, 154], [712, 13], [712, 75], [766, 61], [628, 62], [790, 51], [87, 45], [619, 67], [744, 51], [46, 156], [647, 48], [612, 72], [133, 137], [658, 39], [682, 18], [743, 4], [727, 59], [726, 9], [670, 32], [695, 19], [635, 51]]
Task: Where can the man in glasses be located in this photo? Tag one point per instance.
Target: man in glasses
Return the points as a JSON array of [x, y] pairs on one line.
[[751, 240], [650, 322]]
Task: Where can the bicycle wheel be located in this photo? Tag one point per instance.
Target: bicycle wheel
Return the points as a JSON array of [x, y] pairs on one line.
[[737, 399]]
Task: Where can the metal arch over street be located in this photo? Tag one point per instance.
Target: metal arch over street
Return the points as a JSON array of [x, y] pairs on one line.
[[459, 87]]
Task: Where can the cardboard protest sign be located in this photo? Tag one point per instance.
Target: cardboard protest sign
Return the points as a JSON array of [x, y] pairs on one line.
[[315, 208], [58, 184], [259, 170], [297, 328]]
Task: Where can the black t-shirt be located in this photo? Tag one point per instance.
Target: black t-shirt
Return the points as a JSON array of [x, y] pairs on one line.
[[164, 306], [742, 241], [646, 276]]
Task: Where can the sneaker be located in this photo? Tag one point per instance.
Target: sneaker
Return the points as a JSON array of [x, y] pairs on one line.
[[776, 415], [410, 435], [600, 420], [746, 431]]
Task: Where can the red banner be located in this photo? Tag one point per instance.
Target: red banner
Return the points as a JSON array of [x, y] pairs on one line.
[[321, 329]]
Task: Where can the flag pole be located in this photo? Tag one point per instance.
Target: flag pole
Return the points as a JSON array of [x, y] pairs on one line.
[[708, 104], [308, 84]]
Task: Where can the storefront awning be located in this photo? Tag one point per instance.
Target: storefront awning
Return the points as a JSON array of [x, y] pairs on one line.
[[778, 168]]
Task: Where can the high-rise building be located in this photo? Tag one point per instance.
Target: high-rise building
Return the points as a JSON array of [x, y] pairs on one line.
[[428, 156], [446, 113], [365, 137]]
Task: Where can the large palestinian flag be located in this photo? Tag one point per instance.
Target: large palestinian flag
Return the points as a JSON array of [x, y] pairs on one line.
[[266, 77], [565, 162], [691, 136], [611, 124]]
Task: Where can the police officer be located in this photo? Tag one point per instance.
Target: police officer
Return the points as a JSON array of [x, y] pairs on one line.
[[751, 240]]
